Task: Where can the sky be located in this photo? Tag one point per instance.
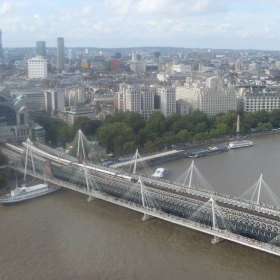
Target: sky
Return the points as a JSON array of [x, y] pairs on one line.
[[219, 24]]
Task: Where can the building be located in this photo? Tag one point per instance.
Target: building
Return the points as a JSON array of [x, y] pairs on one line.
[[181, 68], [134, 57], [211, 98], [136, 98], [118, 55], [13, 120], [114, 64], [72, 54], [76, 112], [35, 99], [54, 100], [267, 99], [37, 68], [1, 50], [41, 48], [138, 67], [38, 133], [75, 96], [167, 100], [60, 54]]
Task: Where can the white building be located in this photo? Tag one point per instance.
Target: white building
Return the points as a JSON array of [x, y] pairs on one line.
[[37, 68], [167, 100], [72, 54], [211, 98]]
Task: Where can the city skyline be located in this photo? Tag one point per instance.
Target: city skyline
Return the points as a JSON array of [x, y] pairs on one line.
[[250, 24]]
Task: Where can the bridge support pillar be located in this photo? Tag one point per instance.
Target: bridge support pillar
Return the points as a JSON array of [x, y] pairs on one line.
[[146, 217], [91, 198], [216, 239]]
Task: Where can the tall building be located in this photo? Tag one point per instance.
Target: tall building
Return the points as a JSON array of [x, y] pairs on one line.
[[54, 100], [60, 53], [167, 100], [37, 68], [41, 48], [1, 44]]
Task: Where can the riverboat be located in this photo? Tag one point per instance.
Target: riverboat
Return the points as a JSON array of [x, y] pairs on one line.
[[160, 173], [24, 193], [240, 144], [208, 151]]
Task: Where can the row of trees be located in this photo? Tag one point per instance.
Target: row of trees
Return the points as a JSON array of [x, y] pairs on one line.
[[123, 132]]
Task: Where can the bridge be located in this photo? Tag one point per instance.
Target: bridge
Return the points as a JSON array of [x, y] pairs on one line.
[[241, 220]]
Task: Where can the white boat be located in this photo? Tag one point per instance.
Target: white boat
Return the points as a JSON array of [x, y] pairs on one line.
[[24, 193], [240, 144], [160, 173]]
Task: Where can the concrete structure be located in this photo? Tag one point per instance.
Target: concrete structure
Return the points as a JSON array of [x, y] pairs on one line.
[[37, 68], [76, 112], [134, 57], [182, 107], [41, 48], [211, 98], [38, 133], [60, 54]]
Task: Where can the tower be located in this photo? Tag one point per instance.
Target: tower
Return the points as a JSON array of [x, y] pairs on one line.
[[1, 54], [60, 53], [41, 48]]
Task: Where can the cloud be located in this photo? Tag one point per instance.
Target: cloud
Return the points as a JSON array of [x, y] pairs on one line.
[[110, 23]]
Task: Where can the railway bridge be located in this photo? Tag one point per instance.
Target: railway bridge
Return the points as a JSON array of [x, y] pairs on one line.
[[246, 222]]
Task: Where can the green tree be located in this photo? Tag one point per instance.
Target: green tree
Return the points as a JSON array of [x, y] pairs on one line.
[[155, 124]]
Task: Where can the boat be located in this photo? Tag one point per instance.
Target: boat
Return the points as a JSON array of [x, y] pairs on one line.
[[24, 193], [160, 173], [208, 151], [240, 144]]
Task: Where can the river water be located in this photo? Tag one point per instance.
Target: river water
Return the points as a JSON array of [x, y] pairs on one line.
[[62, 236]]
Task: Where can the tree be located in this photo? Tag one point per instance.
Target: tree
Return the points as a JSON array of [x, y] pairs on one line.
[[155, 124]]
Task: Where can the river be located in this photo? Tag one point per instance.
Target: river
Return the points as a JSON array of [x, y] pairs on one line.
[[63, 236]]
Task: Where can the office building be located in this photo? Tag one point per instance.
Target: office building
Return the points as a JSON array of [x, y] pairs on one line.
[[41, 48], [75, 96], [37, 68], [167, 97], [60, 54], [138, 67]]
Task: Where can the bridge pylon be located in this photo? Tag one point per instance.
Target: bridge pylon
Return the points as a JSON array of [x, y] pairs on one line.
[[146, 216], [90, 198], [216, 239], [28, 150]]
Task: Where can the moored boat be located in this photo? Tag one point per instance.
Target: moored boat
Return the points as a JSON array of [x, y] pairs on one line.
[[208, 151], [160, 173], [240, 144], [24, 193]]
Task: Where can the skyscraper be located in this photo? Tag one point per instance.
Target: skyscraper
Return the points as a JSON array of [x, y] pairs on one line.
[[1, 44], [60, 53], [41, 48]]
